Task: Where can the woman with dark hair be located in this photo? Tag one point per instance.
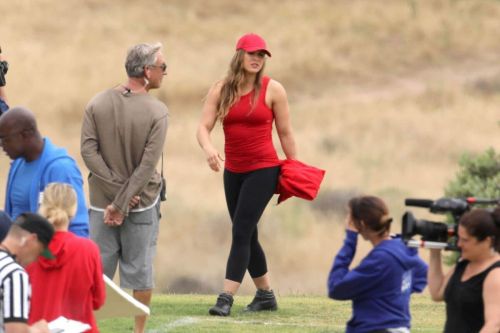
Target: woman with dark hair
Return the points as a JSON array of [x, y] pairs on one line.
[[471, 289], [247, 103], [381, 285]]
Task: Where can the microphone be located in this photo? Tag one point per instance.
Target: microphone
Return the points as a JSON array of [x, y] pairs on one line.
[[126, 92], [419, 203]]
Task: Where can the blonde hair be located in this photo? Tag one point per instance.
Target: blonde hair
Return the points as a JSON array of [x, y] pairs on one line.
[[58, 204], [229, 93]]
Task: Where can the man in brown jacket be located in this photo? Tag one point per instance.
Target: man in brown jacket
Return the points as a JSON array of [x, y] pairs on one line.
[[123, 133]]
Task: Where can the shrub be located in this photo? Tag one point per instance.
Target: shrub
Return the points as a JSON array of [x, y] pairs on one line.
[[479, 176]]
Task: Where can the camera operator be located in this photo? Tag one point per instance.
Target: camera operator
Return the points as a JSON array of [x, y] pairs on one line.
[[4, 66], [471, 289], [380, 287]]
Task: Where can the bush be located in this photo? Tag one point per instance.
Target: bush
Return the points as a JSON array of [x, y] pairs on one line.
[[479, 176]]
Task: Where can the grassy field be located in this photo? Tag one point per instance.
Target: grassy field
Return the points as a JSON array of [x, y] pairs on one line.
[[385, 95], [296, 314]]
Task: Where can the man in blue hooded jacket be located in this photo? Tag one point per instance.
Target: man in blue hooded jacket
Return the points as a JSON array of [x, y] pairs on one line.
[[37, 162]]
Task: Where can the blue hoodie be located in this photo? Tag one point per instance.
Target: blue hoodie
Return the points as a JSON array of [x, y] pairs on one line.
[[55, 166], [380, 287], [3, 106]]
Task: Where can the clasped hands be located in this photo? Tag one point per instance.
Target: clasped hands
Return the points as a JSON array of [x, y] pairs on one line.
[[113, 217]]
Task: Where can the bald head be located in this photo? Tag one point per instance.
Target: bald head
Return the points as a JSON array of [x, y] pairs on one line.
[[18, 118], [19, 134]]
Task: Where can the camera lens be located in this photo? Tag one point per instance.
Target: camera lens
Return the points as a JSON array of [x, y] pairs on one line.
[[432, 231]]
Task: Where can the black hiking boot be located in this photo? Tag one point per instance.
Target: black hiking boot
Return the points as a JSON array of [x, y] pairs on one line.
[[264, 300], [223, 305]]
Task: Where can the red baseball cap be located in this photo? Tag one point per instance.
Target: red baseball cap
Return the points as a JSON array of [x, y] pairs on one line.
[[251, 43]]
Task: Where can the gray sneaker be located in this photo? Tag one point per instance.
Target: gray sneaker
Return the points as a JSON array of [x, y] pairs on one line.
[[223, 305], [264, 300]]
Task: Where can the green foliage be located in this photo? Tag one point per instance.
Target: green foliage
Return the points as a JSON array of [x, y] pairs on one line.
[[479, 176], [304, 314]]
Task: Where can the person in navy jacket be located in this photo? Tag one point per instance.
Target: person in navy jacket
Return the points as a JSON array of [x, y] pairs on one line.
[[381, 285]]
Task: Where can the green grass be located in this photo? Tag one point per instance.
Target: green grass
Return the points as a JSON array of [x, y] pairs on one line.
[[305, 314]]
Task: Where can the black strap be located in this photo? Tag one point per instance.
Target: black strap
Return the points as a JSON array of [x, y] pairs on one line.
[[163, 190]]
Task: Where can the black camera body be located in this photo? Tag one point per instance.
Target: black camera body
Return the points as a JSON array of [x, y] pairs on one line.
[[4, 67], [438, 235], [163, 190]]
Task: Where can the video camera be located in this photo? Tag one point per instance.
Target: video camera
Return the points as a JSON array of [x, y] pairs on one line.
[[4, 67], [437, 235]]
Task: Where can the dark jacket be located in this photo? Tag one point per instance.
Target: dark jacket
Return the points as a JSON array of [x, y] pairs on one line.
[[380, 287]]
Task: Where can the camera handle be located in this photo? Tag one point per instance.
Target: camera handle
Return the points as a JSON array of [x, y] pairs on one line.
[[430, 245]]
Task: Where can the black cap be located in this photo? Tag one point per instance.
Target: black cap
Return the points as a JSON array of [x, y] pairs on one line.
[[37, 224]]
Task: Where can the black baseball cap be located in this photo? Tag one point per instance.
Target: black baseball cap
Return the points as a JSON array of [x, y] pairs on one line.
[[37, 224]]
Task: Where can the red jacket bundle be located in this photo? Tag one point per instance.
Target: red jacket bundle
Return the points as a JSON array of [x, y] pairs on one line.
[[298, 179]]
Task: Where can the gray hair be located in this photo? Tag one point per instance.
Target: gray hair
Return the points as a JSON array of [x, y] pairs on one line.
[[139, 56]]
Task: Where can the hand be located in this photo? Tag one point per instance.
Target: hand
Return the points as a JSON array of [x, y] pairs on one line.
[[113, 217], [134, 201], [349, 224], [40, 326], [213, 159]]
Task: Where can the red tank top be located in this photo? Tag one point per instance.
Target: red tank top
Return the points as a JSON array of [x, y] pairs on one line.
[[248, 134]]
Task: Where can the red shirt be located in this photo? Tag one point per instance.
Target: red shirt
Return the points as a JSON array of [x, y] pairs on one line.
[[71, 285], [248, 134]]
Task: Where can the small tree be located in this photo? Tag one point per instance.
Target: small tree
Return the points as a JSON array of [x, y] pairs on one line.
[[479, 176]]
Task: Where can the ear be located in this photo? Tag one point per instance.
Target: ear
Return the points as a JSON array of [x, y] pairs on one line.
[[362, 224], [33, 237], [492, 241], [147, 72], [25, 133]]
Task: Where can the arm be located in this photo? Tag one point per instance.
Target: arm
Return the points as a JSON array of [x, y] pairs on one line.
[[279, 104], [491, 290], [146, 168], [436, 278], [418, 273], [65, 170], [419, 277], [89, 148], [207, 123], [14, 312], [362, 280], [342, 262], [40, 326], [344, 258], [3, 95]]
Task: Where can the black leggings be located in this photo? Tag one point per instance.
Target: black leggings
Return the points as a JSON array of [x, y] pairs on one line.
[[247, 195]]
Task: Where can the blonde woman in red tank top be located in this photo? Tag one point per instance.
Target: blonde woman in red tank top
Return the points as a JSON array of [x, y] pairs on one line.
[[247, 104]]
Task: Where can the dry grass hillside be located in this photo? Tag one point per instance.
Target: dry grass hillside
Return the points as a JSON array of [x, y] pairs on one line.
[[384, 94]]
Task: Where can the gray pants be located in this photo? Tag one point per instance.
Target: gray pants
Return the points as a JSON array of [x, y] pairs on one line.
[[132, 245]]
